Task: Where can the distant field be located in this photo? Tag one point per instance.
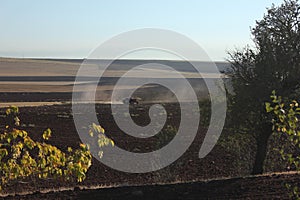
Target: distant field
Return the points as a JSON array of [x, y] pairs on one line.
[[38, 77]]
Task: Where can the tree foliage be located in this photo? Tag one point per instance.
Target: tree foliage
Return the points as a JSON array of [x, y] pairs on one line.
[[273, 64]]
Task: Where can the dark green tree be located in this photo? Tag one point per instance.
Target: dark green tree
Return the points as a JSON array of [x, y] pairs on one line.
[[272, 64]]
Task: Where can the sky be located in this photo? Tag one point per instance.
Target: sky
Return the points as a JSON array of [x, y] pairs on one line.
[[73, 29]]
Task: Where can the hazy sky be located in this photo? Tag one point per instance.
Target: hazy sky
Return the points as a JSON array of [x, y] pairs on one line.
[[72, 29]]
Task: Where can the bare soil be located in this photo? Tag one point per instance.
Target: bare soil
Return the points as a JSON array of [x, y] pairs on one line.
[[188, 172]]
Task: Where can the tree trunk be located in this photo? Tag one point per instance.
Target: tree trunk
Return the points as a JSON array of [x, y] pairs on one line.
[[262, 147]]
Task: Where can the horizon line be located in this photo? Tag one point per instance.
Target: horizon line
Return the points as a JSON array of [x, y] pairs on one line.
[[125, 59]]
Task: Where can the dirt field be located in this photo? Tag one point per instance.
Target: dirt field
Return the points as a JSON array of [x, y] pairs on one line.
[[259, 187], [219, 163], [55, 77]]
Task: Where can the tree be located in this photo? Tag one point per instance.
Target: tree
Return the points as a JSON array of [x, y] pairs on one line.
[[273, 64]]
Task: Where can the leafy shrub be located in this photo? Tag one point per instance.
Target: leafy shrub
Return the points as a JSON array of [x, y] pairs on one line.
[[101, 140], [285, 123], [285, 119], [21, 156]]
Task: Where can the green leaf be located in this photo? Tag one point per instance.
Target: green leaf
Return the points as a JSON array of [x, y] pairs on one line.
[[12, 110], [3, 152], [47, 134], [268, 107]]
